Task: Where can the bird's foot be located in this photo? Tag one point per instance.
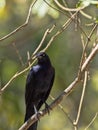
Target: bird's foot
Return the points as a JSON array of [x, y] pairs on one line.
[[47, 107], [36, 112]]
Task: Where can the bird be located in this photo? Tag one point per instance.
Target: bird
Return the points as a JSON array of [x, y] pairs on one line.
[[39, 83]]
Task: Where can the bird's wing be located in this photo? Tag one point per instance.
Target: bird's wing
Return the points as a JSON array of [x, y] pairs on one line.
[[29, 87], [45, 96], [51, 84]]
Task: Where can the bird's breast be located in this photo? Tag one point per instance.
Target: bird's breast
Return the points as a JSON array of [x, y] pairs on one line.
[[43, 78]]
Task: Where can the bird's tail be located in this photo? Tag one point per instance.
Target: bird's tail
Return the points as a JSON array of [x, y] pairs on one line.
[[29, 112]]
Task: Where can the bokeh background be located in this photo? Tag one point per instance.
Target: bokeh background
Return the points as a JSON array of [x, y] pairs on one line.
[[65, 53]]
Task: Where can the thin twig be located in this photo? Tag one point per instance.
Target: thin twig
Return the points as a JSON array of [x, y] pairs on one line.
[[73, 18], [64, 26], [81, 100], [67, 9], [28, 56], [96, 115], [85, 46], [14, 77], [61, 107], [90, 35], [23, 25], [60, 11], [90, 57], [86, 15], [48, 31]]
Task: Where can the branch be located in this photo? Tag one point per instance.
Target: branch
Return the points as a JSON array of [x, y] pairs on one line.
[[48, 31], [86, 44], [81, 100], [65, 93], [67, 9], [96, 115], [73, 18], [15, 76], [90, 57], [23, 25], [64, 26]]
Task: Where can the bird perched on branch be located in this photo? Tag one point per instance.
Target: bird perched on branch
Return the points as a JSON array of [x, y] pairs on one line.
[[38, 86]]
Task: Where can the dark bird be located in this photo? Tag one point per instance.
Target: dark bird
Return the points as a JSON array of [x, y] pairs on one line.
[[38, 86]]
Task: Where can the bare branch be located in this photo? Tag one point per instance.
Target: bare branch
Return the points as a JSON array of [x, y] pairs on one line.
[[64, 26], [55, 8], [96, 115], [90, 57], [23, 25], [48, 31], [85, 45], [73, 18], [15, 76], [81, 100], [90, 35], [67, 9], [28, 56], [86, 15]]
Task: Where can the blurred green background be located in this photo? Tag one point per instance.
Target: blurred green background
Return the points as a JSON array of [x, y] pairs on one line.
[[65, 53]]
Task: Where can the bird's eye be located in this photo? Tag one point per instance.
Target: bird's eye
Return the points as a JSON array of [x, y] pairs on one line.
[[43, 55]]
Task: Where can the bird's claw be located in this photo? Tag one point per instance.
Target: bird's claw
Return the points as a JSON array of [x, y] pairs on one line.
[[36, 112], [47, 107]]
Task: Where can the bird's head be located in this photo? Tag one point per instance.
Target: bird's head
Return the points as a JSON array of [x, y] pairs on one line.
[[42, 58]]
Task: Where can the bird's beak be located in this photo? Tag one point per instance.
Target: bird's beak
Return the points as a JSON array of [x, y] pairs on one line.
[[38, 55]]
